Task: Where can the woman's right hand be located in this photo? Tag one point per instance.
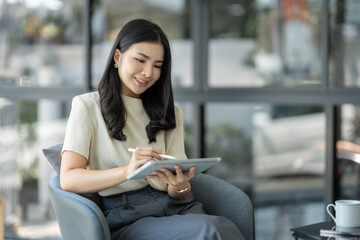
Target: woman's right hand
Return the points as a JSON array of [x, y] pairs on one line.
[[142, 155]]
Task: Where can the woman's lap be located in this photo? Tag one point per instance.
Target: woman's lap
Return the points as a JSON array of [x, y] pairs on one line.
[[150, 214], [180, 227]]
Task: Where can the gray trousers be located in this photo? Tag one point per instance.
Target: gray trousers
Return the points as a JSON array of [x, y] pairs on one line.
[[150, 214]]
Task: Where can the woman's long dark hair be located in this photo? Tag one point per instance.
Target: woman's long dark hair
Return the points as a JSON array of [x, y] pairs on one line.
[[158, 100]]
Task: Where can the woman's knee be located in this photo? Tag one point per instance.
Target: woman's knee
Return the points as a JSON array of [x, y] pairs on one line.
[[216, 227]]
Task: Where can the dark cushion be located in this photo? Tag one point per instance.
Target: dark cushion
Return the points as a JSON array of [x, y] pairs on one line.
[[53, 155]]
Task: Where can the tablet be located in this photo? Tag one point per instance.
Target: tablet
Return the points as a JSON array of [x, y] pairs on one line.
[[147, 169]]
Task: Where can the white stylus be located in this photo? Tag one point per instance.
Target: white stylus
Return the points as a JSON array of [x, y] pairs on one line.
[[161, 155]]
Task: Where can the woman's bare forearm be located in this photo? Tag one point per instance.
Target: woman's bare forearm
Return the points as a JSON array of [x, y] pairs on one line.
[[74, 176], [86, 181]]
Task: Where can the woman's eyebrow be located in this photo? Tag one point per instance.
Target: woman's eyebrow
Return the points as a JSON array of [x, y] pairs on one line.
[[147, 57]]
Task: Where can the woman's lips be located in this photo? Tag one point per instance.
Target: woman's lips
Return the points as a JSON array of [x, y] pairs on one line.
[[141, 82]]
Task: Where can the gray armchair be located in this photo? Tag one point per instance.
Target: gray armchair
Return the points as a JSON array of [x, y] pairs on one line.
[[81, 218]]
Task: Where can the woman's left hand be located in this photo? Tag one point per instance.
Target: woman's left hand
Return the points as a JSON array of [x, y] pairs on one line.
[[176, 182]]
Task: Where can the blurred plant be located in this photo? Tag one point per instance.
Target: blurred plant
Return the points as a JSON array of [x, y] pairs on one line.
[[31, 26], [50, 31], [233, 146], [30, 175], [233, 19], [27, 112]]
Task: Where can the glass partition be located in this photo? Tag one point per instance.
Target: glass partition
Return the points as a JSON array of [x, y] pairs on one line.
[[345, 42], [276, 154], [26, 127], [188, 125], [265, 43], [41, 43], [348, 153]]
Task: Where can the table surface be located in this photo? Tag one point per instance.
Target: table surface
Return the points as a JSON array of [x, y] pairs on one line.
[[312, 232]]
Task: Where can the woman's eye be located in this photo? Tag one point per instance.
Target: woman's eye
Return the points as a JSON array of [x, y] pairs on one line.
[[139, 60], [157, 67]]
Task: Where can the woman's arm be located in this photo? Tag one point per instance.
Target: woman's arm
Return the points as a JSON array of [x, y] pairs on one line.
[[74, 176]]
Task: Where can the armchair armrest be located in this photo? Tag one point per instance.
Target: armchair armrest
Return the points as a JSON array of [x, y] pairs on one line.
[[223, 199], [78, 217]]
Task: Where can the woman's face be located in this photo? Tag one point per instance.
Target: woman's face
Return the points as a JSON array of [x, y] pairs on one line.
[[139, 67]]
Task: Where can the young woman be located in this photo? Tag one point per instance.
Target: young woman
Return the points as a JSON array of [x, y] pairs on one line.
[[134, 108]]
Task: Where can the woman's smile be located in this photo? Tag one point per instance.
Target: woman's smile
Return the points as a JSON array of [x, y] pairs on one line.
[[141, 82]]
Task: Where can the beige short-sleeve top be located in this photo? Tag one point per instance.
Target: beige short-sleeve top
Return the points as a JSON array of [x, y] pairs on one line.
[[87, 135]]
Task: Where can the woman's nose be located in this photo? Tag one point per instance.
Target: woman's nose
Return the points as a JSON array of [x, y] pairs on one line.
[[147, 71]]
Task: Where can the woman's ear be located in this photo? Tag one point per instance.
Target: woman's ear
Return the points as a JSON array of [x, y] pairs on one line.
[[117, 55]]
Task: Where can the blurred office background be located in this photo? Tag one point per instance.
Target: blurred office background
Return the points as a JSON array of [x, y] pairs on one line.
[[271, 86]]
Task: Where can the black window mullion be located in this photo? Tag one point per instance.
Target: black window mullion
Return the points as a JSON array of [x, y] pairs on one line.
[[199, 19], [331, 112], [331, 181], [325, 28], [88, 44]]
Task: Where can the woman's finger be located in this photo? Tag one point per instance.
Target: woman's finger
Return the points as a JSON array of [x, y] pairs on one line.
[[191, 172], [168, 173], [159, 175], [150, 152], [178, 170]]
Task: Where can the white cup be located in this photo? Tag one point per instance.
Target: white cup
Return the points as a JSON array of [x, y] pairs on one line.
[[347, 213]]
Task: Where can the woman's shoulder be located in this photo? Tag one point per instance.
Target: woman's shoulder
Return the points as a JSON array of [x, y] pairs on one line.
[[90, 96], [87, 104], [90, 99], [177, 109], [178, 112]]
